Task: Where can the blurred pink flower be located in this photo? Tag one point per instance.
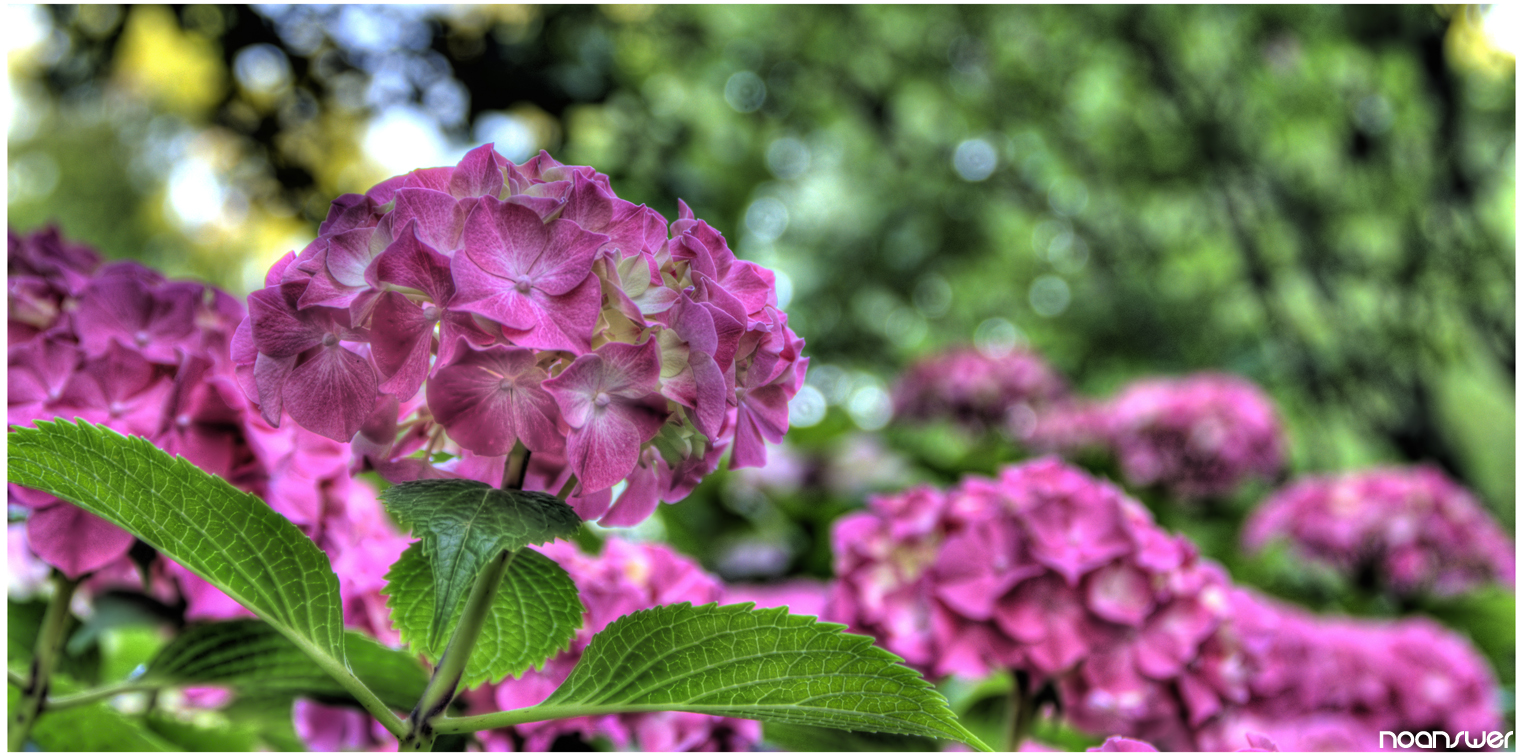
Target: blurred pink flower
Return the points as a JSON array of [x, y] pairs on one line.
[[977, 391], [1198, 436], [1413, 529], [1047, 571]]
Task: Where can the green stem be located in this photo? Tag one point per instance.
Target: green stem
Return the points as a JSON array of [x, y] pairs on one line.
[[515, 468], [568, 488], [97, 694], [49, 646], [1022, 710], [445, 683], [16, 679]]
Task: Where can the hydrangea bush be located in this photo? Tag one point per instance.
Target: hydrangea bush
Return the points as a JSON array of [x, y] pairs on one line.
[[1334, 683], [515, 350], [1053, 574], [1406, 530], [976, 390]]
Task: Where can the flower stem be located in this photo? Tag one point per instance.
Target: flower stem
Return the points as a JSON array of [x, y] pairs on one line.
[[568, 488], [1022, 710], [49, 646], [97, 694], [515, 468], [445, 683]]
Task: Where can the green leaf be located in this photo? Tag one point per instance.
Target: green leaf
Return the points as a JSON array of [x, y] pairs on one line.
[[217, 734], [766, 664], [230, 538], [464, 524], [92, 727], [805, 739], [252, 656], [534, 615]]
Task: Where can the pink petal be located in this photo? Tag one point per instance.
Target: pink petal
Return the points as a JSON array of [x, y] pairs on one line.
[[491, 398], [564, 322], [74, 540], [440, 217], [332, 393], [411, 263], [504, 239], [402, 340], [638, 501], [349, 256], [497, 298], [479, 173], [278, 330]]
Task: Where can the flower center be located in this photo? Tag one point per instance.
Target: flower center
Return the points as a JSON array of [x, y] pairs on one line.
[[329, 340], [141, 337], [522, 286], [431, 313], [183, 419], [602, 399], [116, 409], [505, 385]]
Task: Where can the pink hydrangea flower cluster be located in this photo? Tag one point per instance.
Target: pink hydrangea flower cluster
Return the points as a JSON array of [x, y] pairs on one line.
[[1333, 683], [1413, 529], [1048, 571], [1198, 436], [117, 345], [978, 391], [625, 577], [1257, 743], [1201, 435], [537, 307]]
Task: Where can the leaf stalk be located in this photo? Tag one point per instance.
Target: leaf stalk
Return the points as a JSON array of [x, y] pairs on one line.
[[49, 647], [445, 683]]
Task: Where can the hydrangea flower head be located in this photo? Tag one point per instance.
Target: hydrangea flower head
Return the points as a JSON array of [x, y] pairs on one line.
[[625, 577], [978, 391], [1048, 571], [1414, 529], [524, 303], [1201, 435], [119, 346], [1319, 683]]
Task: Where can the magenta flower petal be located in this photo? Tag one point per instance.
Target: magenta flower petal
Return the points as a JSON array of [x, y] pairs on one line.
[[490, 398], [270, 374], [123, 309], [563, 322], [411, 263], [510, 242], [349, 211], [349, 255], [638, 500], [74, 540], [278, 330], [610, 400], [403, 337], [331, 393], [479, 173], [440, 217], [763, 415]]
